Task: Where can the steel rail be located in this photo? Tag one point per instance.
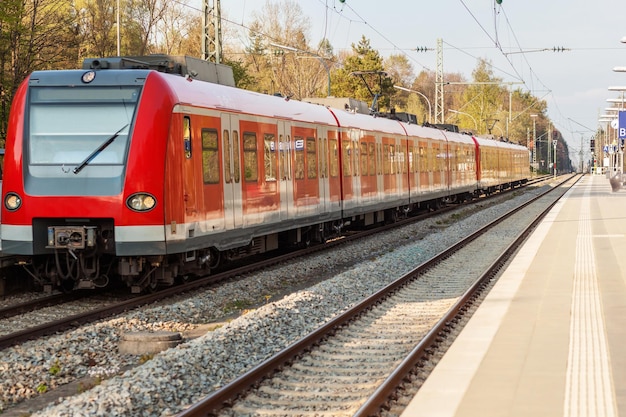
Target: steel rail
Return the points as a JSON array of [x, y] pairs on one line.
[[226, 395]]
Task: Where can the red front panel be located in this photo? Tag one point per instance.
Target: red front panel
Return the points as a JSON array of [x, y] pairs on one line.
[[144, 168], [12, 177]]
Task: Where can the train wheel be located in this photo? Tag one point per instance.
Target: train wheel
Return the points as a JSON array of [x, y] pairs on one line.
[[67, 285]]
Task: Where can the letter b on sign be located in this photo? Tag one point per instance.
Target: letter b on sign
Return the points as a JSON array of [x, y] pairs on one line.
[[622, 132]]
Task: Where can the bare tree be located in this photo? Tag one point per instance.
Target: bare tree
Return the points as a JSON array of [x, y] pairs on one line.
[[280, 56], [34, 34]]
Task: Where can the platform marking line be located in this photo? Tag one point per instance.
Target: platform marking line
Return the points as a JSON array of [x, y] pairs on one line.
[[589, 390]]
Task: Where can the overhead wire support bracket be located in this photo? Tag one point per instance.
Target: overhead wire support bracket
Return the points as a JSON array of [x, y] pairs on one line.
[[553, 49]]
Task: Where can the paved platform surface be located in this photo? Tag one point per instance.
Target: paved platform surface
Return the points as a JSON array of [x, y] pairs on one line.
[[550, 338]]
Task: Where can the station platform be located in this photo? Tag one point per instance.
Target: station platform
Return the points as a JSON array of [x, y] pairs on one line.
[[550, 337]]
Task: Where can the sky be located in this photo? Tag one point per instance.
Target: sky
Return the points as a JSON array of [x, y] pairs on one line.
[[574, 82]]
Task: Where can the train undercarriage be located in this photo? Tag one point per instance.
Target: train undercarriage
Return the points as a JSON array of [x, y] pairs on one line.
[[83, 257]]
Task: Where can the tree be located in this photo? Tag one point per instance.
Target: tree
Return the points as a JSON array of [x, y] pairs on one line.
[[279, 56], [399, 69], [483, 98], [372, 80], [34, 34], [96, 21]]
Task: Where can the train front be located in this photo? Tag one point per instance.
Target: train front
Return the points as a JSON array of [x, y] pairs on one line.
[[69, 195]]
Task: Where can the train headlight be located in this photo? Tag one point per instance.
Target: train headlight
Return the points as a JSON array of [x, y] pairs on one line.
[[12, 201], [141, 202]]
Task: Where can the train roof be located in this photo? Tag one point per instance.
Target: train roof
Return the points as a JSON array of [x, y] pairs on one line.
[[498, 144], [211, 95], [350, 119]]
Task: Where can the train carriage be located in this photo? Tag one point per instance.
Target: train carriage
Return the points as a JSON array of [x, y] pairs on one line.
[[148, 176], [500, 165]]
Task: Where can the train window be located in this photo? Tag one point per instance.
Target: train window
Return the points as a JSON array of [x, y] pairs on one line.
[[66, 126], [441, 158], [403, 160], [371, 158], [363, 158], [454, 159], [334, 158], [311, 158], [347, 154], [210, 157], [237, 170], [187, 136], [226, 139], [283, 147], [269, 157], [386, 160], [322, 145], [299, 157], [250, 167]]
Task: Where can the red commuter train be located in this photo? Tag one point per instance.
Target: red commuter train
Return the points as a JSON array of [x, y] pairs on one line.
[[147, 175]]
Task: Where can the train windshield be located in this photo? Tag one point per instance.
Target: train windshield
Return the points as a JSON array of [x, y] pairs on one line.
[[67, 126]]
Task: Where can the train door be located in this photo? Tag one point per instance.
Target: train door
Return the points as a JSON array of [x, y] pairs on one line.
[[189, 177], [322, 148], [233, 213], [355, 135], [346, 171], [306, 191], [334, 178], [405, 159], [284, 169]]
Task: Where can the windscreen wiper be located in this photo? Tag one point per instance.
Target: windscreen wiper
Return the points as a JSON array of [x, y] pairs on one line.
[[97, 151]]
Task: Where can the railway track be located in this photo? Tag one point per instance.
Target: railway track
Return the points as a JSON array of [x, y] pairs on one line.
[[352, 365], [211, 303], [82, 312]]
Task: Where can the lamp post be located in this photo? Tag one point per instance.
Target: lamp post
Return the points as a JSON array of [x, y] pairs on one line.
[[430, 109], [466, 114], [321, 59]]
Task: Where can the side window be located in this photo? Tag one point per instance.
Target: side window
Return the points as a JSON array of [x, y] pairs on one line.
[[226, 139], [371, 158], [334, 158], [299, 168], [283, 147], [187, 136], [386, 160], [250, 167], [363, 157], [347, 154], [311, 158], [210, 157], [237, 170], [269, 156], [323, 147]]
